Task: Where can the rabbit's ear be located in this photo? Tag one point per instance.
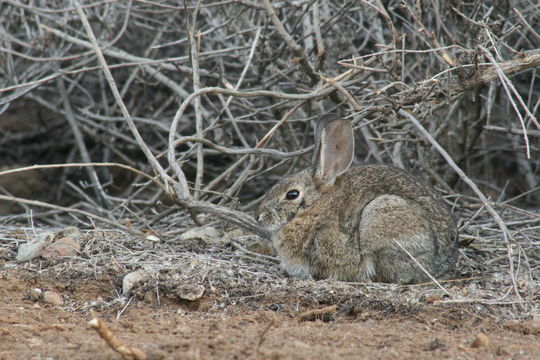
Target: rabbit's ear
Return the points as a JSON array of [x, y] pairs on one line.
[[334, 148]]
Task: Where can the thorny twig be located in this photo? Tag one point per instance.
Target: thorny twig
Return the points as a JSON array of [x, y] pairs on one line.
[[128, 353]]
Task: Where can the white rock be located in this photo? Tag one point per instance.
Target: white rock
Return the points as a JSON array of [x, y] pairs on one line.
[[190, 292], [207, 234], [153, 238], [66, 239], [131, 279], [36, 294], [32, 249]]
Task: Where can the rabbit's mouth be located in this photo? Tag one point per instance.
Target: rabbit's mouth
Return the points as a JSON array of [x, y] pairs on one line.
[[271, 221]]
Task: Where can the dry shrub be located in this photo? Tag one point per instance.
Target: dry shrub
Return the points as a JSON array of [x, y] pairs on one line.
[[224, 95]]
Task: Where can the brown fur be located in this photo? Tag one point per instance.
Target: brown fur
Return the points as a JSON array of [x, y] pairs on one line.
[[355, 228]]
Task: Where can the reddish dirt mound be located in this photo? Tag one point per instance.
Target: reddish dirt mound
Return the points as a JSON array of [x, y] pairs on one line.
[[204, 330]]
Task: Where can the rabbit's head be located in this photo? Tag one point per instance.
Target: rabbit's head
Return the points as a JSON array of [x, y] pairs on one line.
[[334, 149]]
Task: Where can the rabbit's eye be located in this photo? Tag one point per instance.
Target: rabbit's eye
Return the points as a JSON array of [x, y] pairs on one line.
[[292, 194]]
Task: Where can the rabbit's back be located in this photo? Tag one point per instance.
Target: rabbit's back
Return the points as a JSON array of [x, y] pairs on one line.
[[357, 223], [362, 184], [369, 224]]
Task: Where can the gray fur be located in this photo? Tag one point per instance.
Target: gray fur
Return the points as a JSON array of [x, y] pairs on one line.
[[348, 230]]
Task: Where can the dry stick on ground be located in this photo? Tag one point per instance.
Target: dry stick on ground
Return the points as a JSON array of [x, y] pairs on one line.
[[315, 314], [128, 353], [506, 233], [263, 333]]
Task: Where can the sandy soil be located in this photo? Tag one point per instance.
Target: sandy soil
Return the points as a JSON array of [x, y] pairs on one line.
[[210, 329]]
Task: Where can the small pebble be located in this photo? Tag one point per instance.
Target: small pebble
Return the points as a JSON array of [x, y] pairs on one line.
[[207, 234], [480, 341], [190, 292], [61, 248], [50, 297], [35, 294], [134, 278]]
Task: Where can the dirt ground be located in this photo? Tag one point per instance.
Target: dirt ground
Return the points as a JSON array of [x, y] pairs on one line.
[[209, 328], [219, 293]]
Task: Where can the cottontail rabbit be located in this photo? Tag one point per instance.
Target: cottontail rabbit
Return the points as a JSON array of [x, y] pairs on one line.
[[357, 223]]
